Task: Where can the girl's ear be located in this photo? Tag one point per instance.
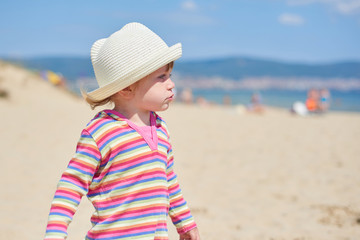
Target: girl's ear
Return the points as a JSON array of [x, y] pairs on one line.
[[128, 92]]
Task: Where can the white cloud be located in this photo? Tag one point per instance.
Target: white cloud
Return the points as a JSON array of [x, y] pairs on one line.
[[291, 19], [341, 6], [348, 7], [189, 5], [189, 15]]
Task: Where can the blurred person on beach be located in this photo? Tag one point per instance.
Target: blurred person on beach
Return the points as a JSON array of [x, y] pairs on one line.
[[124, 159], [318, 101], [201, 101], [256, 104], [312, 101], [187, 96], [227, 101]]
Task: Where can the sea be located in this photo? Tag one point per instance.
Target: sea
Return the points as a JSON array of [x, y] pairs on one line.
[[346, 101]]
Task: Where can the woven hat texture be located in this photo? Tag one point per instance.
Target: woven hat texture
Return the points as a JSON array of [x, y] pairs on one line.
[[127, 56]]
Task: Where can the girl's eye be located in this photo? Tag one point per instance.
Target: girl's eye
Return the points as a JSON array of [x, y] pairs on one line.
[[164, 77]]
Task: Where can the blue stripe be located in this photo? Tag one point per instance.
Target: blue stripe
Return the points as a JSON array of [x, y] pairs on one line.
[[79, 170], [55, 231], [67, 198], [101, 125], [122, 236], [88, 154], [115, 137], [170, 179], [128, 150], [92, 120], [129, 185], [136, 165], [135, 183], [131, 218], [66, 181], [177, 206], [174, 193], [163, 145], [170, 166], [134, 200], [183, 219], [86, 136], [130, 167], [162, 131], [60, 214]]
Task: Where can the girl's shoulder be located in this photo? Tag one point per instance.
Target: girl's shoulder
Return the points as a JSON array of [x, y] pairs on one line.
[[104, 120]]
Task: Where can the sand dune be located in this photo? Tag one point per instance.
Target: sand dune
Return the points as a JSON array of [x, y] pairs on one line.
[[245, 176]]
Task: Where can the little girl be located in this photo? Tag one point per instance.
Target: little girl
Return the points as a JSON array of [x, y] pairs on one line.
[[124, 159]]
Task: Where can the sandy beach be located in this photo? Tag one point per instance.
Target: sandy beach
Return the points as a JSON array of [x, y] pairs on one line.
[[273, 176]]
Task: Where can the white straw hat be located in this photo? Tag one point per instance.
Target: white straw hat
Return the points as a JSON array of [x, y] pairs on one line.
[[127, 56]]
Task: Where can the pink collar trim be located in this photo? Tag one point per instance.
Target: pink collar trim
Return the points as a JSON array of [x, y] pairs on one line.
[[152, 142]]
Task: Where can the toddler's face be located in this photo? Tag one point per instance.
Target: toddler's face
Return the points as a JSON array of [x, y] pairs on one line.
[[154, 92]]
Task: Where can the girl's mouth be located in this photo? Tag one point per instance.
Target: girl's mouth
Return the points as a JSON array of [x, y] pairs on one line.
[[171, 98]]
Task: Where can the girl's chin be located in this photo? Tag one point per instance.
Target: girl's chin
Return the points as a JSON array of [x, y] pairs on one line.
[[164, 107]]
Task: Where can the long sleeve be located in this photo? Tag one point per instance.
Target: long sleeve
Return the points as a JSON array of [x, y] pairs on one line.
[[73, 184], [179, 211]]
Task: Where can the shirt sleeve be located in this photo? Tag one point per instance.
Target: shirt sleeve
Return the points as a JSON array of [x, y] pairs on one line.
[[179, 211], [74, 184]]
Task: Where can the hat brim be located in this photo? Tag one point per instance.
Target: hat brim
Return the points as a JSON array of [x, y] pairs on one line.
[[164, 57]]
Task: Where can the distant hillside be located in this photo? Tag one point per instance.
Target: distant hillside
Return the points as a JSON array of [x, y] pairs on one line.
[[239, 68], [225, 73], [70, 67], [235, 68]]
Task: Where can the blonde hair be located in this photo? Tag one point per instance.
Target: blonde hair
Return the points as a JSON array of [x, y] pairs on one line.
[[97, 103]]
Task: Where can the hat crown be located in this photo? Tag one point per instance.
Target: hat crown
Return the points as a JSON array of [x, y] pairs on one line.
[[127, 56], [121, 54]]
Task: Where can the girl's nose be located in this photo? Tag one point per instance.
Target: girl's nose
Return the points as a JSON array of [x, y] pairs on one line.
[[171, 84]]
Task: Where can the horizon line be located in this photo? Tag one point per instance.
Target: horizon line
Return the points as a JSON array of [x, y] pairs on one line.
[[196, 59]]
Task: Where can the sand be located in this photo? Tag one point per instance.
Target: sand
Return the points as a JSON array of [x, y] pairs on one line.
[[245, 176]]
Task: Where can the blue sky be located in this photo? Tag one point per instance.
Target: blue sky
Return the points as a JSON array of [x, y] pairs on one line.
[[311, 31]]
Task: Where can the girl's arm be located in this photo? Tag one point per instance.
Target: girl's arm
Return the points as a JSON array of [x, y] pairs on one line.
[[179, 211], [73, 184]]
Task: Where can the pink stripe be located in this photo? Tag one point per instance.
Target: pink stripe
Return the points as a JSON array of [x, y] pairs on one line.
[[56, 227], [128, 163], [141, 176], [114, 132], [136, 213], [90, 150], [177, 203], [118, 200], [136, 141], [125, 163], [67, 195], [110, 233], [96, 123], [62, 210], [82, 166], [74, 180]]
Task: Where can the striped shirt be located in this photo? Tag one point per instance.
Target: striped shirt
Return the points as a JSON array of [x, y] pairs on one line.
[[129, 180]]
